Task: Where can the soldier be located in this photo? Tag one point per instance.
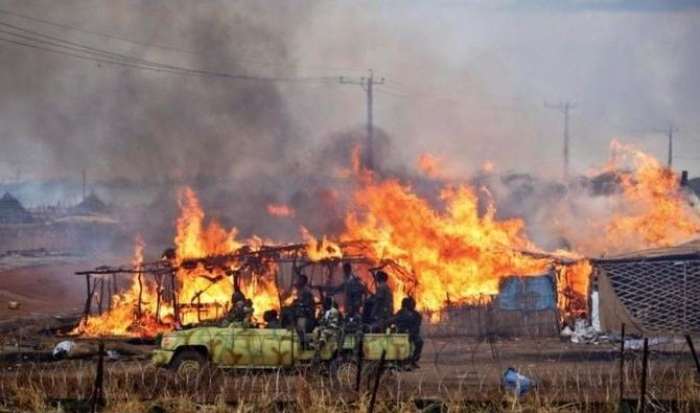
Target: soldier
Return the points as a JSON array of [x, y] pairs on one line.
[[271, 319], [353, 289], [408, 320], [304, 307], [382, 302], [238, 295]]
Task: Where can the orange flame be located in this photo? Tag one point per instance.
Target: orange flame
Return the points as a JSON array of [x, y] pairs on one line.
[[456, 255], [280, 210], [430, 165]]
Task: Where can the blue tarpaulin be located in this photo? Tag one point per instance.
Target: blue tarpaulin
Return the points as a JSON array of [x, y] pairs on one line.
[[527, 293]]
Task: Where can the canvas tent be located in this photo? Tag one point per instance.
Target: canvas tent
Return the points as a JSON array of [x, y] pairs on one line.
[[12, 211], [655, 291]]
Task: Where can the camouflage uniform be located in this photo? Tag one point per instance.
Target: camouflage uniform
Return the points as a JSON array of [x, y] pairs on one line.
[[354, 291]]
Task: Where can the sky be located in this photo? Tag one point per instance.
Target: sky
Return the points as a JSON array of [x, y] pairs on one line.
[[466, 81]]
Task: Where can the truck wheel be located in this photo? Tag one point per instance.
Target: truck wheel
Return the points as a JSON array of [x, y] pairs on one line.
[[188, 363]]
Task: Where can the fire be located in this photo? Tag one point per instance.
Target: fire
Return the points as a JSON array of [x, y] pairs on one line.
[[454, 250], [430, 165], [280, 210], [318, 250], [455, 254], [654, 211], [202, 293]]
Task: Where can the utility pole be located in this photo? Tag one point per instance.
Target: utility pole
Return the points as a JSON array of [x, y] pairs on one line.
[[84, 174], [565, 108], [669, 132], [367, 84]]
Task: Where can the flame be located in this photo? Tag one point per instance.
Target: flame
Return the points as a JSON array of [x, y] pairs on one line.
[[455, 255], [280, 210], [318, 250], [430, 165], [453, 250], [202, 293], [654, 212]]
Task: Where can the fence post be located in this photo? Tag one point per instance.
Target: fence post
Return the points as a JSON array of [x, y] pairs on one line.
[[692, 350], [97, 400], [645, 367], [622, 363], [377, 379]]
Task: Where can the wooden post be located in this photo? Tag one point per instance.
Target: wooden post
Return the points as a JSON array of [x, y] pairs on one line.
[[377, 379], [102, 295], [622, 363], [159, 291], [97, 400], [140, 293], [692, 350], [88, 300], [359, 343], [645, 368], [173, 290]]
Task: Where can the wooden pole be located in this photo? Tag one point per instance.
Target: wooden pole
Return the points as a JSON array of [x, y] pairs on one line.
[[102, 295], [645, 368], [360, 356], [140, 293], [97, 400], [692, 350], [377, 379], [622, 363], [88, 300]]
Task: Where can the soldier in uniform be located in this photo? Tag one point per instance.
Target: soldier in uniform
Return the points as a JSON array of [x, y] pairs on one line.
[[382, 302], [353, 290], [408, 320], [271, 319], [304, 307]]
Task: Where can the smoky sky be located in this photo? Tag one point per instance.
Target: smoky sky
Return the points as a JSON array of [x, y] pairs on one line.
[[463, 80]]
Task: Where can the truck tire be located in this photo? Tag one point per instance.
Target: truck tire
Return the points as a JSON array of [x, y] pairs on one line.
[[189, 363]]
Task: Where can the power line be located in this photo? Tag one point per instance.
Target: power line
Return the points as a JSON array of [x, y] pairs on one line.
[[107, 36], [105, 56]]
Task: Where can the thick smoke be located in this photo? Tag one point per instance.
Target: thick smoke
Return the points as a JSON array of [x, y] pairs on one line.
[[465, 81]]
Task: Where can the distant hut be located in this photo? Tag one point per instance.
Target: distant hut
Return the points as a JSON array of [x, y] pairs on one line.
[[12, 211], [91, 205]]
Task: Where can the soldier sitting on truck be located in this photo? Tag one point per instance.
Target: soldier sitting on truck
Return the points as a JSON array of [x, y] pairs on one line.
[[241, 313], [408, 320], [271, 319], [329, 325], [302, 310], [382, 303]]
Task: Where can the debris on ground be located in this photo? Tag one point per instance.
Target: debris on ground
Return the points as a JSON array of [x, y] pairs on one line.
[[517, 383], [63, 349]]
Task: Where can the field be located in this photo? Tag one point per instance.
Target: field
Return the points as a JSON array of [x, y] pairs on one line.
[[456, 374]]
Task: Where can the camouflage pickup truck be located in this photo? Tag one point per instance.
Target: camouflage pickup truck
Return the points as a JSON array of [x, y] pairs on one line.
[[255, 348]]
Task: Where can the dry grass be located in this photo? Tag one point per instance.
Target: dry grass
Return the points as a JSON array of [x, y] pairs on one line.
[[564, 386]]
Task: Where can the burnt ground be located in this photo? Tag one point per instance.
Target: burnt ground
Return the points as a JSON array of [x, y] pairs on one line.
[[457, 368]]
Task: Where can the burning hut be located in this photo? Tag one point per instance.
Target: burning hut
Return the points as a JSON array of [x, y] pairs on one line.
[[525, 306], [652, 291], [12, 211]]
